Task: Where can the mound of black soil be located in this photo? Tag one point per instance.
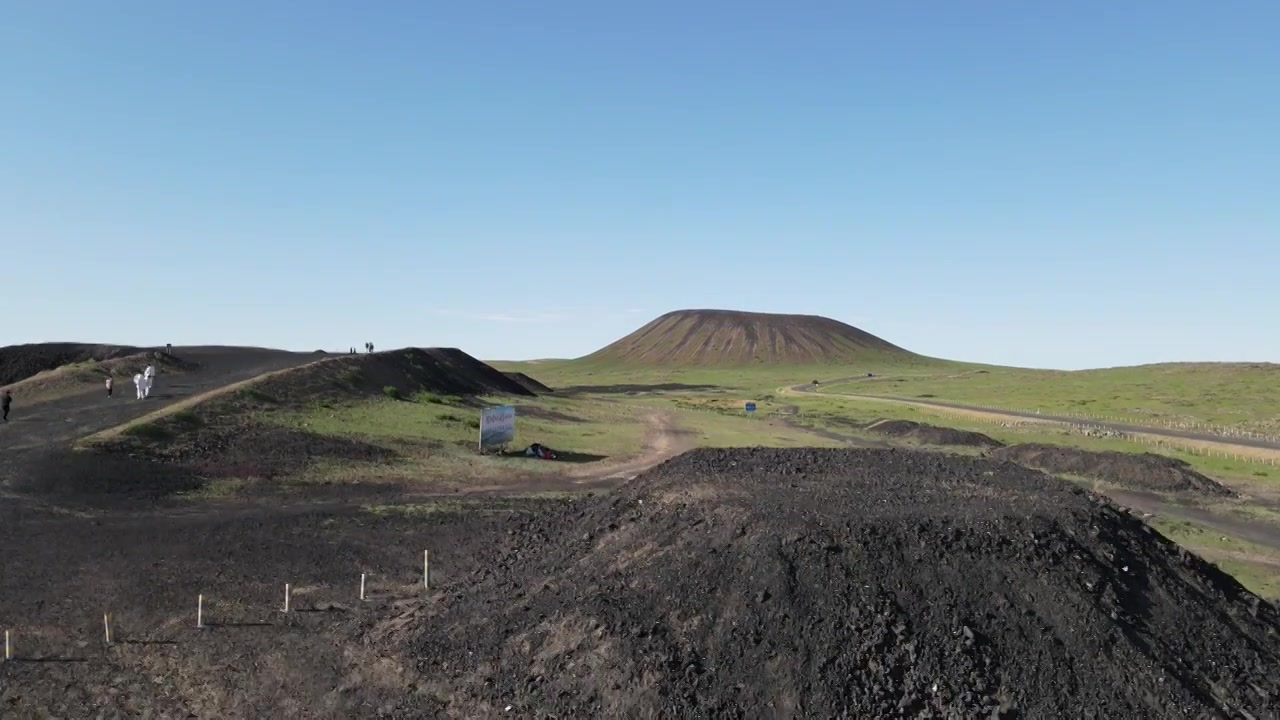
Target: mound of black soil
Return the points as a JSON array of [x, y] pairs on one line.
[[841, 583], [258, 451], [18, 362], [1140, 471], [140, 468], [933, 434], [98, 478], [443, 371], [528, 383]]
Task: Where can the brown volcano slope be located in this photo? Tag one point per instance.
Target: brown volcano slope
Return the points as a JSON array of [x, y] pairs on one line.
[[727, 337]]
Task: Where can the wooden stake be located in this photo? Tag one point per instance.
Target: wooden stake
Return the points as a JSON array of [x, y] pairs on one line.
[[362, 586], [200, 611], [426, 569], [106, 626], [8, 649], [286, 597]]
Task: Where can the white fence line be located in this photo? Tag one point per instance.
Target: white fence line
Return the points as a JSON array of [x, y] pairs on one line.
[[1095, 430], [13, 637], [1222, 431]]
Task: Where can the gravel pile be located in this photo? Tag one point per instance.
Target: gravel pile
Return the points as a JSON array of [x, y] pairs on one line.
[[821, 583]]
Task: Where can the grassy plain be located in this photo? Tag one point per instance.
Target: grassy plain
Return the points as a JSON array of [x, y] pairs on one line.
[[1244, 396], [1255, 566]]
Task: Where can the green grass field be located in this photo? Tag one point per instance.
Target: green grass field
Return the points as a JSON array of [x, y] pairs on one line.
[[438, 437], [1244, 396], [841, 414], [1255, 566]]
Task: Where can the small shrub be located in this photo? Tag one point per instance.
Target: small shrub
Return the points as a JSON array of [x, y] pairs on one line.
[[473, 424], [353, 377], [450, 418], [392, 392]]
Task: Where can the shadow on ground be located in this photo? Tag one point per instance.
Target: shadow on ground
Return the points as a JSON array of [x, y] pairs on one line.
[[561, 457]]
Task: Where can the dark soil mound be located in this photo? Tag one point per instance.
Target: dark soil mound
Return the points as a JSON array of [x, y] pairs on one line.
[[98, 478], [18, 362], [444, 371], [129, 471], [1140, 471], [727, 337], [528, 383], [933, 434], [842, 583]]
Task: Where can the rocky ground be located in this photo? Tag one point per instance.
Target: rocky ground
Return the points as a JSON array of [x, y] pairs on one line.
[[722, 583], [842, 583]]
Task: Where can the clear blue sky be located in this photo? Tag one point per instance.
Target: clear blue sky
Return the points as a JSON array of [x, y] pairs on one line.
[[1049, 184]]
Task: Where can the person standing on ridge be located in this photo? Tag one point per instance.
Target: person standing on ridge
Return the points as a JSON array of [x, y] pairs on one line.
[[109, 384], [5, 402]]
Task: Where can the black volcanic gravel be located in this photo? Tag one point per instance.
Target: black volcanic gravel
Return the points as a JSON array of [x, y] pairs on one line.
[[821, 583], [1138, 471]]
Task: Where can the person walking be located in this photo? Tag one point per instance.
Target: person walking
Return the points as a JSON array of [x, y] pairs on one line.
[[5, 402], [109, 384], [137, 382]]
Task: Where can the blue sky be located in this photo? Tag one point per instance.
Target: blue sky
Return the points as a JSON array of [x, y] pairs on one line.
[[1043, 184]]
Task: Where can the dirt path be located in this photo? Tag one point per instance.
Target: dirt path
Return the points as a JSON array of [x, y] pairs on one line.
[[1258, 532], [664, 440], [1245, 446]]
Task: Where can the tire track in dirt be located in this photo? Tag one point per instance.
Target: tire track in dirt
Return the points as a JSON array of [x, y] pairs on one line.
[[664, 440]]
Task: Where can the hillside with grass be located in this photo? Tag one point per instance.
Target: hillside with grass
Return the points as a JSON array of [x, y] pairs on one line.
[[91, 373], [282, 424], [20, 362], [727, 338]]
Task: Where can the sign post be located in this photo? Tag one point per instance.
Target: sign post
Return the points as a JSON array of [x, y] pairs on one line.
[[497, 426]]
